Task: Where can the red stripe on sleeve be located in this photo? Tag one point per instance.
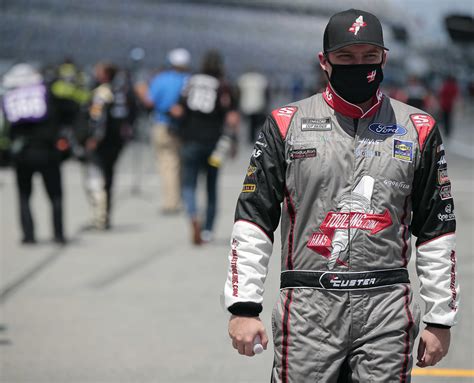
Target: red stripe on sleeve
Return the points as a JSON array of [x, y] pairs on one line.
[[283, 117], [424, 123]]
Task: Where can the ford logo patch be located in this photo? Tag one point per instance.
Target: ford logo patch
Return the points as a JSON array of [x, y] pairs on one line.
[[388, 130]]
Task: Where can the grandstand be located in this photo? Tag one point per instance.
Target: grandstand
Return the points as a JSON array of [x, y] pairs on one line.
[[278, 36]]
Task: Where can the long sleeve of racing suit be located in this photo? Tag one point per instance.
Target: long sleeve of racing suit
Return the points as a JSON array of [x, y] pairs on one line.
[[434, 226], [256, 218]]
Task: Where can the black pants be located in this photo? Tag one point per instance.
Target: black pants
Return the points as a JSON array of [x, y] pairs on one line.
[[47, 163], [106, 157]]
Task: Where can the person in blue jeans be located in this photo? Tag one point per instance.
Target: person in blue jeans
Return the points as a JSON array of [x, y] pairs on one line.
[[195, 160], [206, 107]]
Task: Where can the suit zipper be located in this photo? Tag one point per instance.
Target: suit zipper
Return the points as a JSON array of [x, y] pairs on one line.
[[355, 122]]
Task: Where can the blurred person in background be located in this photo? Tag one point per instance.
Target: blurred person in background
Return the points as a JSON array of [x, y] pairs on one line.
[[253, 100], [165, 90], [448, 95], [141, 82], [111, 115], [352, 174], [416, 92], [30, 110], [207, 106], [5, 141], [70, 88]]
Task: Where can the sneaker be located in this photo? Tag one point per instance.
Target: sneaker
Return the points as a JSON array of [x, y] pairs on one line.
[[60, 240], [206, 236], [28, 241]]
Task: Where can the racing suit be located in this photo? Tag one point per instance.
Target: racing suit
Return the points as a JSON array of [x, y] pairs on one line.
[[354, 186]]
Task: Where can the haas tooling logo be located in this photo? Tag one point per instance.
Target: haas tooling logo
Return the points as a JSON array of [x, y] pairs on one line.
[[339, 228], [356, 25]]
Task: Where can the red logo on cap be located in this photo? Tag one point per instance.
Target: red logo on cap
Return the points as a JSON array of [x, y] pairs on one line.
[[359, 23]]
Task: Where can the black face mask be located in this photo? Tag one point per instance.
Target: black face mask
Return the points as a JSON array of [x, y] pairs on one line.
[[356, 83]]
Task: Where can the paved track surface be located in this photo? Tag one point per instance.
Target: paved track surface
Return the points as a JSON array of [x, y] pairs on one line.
[[141, 304]]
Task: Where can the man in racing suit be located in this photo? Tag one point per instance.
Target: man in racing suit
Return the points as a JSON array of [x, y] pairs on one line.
[[357, 174]]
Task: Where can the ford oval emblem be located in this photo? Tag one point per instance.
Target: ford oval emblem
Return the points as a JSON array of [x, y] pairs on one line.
[[388, 130]]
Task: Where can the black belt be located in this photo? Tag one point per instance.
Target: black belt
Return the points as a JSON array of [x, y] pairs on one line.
[[353, 280]]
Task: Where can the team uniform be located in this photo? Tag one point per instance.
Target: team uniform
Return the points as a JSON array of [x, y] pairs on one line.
[[30, 110], [350, 188]]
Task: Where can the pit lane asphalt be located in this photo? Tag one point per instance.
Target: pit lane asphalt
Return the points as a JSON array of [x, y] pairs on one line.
[[141, 304]]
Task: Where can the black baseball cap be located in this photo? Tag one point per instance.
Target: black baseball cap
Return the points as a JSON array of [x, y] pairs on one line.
[[352, 27]]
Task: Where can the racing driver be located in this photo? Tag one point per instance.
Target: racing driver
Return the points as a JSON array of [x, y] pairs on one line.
[[352, 174]]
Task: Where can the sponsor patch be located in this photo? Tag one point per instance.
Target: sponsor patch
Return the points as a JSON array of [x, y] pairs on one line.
[[321, 124], [256, 153], [353, 213], [443, 176], [234, 268], [422, 121], [321, 241], [445, 192], [369, 141], [403, 150], [249, 188], [388, 130], [397, 184], [251, 170], [298, 154], [367, 153], [452, 283], [442, 161], [448, 214]]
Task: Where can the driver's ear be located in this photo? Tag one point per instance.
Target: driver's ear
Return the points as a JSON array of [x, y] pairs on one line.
[[323, 61], [384, 58]]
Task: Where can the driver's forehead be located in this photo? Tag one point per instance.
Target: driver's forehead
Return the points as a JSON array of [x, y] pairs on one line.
[[357, 49]]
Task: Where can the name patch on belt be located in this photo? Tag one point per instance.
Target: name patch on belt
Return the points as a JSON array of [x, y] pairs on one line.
[[298, 154], [316, 124], [335, 281]]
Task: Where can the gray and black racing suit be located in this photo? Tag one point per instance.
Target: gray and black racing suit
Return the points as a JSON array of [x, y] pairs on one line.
[[350, 188]]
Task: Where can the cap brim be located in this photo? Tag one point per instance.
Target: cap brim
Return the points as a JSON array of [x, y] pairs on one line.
[[346, 44]]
